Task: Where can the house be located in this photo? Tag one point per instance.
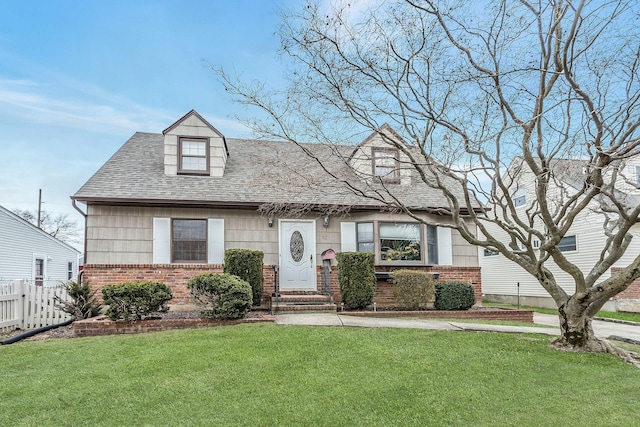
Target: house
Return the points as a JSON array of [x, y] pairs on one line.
[[505, 281], [167, 205], [28, 253]]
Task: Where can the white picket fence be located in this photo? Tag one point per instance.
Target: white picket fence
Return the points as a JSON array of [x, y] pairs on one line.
[[24, 305]]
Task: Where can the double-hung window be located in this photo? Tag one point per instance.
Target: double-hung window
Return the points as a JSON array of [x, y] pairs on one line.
[[386, 165], [189, 240], [185, 240], [364, 235], [193, 156], [70, 270]]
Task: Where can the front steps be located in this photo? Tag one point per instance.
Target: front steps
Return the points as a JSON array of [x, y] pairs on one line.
[[302, 303]]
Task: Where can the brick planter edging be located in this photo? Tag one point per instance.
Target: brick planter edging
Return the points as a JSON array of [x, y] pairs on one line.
[[100, 325], [501, 314]]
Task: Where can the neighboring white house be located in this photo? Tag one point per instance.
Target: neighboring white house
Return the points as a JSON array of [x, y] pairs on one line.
[[505, 281], [28, 253]]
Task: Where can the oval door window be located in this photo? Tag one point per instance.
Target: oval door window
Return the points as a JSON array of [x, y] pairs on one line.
[[296, 246]]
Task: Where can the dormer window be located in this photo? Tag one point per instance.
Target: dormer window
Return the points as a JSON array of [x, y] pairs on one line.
[[386, 164], [194, 156]]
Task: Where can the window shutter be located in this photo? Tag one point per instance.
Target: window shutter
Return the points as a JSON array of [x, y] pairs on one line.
[[216, 241], [162, 240], [348, 237], [445, 252]]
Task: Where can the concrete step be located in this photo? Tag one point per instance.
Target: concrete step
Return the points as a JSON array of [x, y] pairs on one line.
[[302, 304]]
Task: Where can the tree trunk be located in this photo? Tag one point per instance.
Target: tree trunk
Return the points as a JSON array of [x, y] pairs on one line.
[[576, 334]]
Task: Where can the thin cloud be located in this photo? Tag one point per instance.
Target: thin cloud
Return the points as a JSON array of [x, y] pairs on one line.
[[30, 101]]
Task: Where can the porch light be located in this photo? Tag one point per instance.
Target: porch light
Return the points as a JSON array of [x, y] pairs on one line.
[[325, 221], [270, 221]]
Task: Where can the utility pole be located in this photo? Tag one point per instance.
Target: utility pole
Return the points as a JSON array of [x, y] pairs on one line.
[[39, 205]]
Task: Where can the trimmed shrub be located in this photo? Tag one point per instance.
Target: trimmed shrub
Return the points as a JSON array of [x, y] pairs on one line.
[[136, 300], [412, 289], [454, 296], [224, 296], [82, 304], [357, 278], [247, 265]]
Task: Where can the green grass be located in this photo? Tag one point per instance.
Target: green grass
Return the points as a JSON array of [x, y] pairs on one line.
[[618, 315], [270, 375]]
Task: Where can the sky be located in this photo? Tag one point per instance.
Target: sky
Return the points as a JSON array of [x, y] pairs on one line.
[[78, 78]]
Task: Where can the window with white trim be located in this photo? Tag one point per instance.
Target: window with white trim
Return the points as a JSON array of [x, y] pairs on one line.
[[38, 271], [519, 196], [385, 164], [193, 156], [490, 252], [70, 270], [568, 243]]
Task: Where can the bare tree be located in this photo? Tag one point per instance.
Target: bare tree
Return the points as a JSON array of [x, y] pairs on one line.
[[483, 95], [57, 225]]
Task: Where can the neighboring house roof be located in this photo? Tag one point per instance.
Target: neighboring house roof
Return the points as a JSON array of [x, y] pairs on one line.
[[257, 172], [572, 173], [33, 227]]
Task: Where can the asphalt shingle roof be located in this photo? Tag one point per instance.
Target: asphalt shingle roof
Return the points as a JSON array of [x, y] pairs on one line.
[[256, 172]]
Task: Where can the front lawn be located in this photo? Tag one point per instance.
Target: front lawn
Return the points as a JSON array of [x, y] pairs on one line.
[[264, 375]]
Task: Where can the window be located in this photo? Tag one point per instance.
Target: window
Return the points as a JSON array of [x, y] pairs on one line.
[[70, 270], [364, 237], [568, 243], [194, 156], [638, 176], [490, 252], [189, 240], [432, 244], [39, 271], [400, 242], [385, 164], [519, 197]]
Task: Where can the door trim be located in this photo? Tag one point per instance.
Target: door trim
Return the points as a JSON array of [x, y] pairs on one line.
[[314, 253]]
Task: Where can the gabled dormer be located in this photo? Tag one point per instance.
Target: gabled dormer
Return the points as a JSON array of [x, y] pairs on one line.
[[378, 158], [193, 147]]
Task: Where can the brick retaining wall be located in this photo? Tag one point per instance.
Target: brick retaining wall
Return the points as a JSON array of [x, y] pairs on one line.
[[100, 325]]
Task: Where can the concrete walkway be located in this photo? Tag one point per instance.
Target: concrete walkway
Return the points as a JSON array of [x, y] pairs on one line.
[[601, 328]]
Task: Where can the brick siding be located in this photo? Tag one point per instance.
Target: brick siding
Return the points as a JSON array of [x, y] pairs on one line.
[[177, 276], [632, 292]]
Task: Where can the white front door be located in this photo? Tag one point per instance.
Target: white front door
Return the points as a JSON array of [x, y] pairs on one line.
[[297, 255]]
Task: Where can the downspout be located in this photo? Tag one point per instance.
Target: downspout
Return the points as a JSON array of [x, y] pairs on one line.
[[36, 331], [76, 207]]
